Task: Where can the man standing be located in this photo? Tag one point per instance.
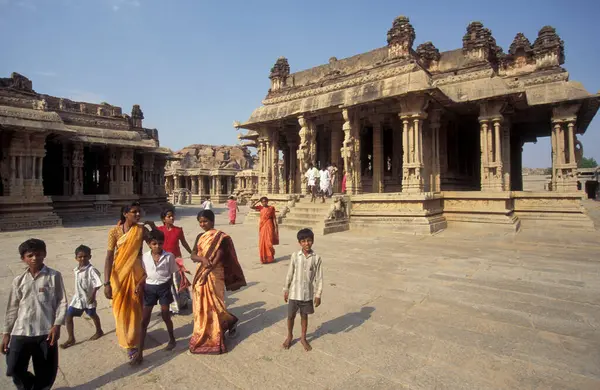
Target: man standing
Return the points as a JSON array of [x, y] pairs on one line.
[[311, 178]]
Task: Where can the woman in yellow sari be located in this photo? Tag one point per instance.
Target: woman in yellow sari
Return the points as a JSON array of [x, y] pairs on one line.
[[218, 270], [124, 279]]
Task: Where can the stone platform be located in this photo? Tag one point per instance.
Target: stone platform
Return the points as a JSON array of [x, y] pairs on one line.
[[462, 309]]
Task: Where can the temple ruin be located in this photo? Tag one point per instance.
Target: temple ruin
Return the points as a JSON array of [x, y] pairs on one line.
[[66, 160], [429, 138], [198, 171]]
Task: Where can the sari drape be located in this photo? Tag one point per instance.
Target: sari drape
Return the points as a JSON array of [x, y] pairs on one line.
[[268, 235], [232, 206], [211, 318], [126, 274]]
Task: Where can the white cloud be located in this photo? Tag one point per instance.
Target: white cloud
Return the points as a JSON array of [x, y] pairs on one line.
[[85, 96], [118, 4]]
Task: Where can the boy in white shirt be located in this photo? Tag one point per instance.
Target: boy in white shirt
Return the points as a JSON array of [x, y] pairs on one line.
[[87, 284], [207, 205], [303, 285], [159, 266]]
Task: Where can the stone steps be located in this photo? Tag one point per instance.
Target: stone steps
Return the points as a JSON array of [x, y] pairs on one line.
[[306, 214]]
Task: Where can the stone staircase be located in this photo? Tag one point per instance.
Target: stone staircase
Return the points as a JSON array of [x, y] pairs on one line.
[[305, 214]]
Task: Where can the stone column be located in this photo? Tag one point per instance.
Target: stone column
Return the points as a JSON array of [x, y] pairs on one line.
[[147, 170], [201, 185], [564, 164], [337, 137], [273, 161], [67, 170], [490, 121], [303, 153], [413, 114], [126, 163], [217, 185], [194, 185], [378, 185], [506, 166], [175, 182], [351, 154], [292, 171], [434, 127], [396, 151], [77, 165]]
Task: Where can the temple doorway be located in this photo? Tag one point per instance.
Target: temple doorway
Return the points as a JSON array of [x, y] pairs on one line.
[[96, 172], [53, 173], [591, 189]]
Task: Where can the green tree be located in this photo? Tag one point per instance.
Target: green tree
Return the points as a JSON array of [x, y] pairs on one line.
[[588, 162]]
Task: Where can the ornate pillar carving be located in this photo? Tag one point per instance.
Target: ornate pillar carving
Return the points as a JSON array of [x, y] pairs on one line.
[[506, 166], [201, 185], [77, 164], [564, 161], [337, 137], [66, 164], [159, 176], [434, 127], [351, 154], [490, 120], [292, 171], [147, 170], [378, 185], [195, 185], [304, 156], [413, 114]]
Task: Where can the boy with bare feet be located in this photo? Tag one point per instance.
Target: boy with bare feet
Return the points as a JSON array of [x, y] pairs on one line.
[[303, 284], [160, 266], [87, 284]]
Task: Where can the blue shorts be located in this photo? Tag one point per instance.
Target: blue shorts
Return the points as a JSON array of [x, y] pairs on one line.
[[74, 312]]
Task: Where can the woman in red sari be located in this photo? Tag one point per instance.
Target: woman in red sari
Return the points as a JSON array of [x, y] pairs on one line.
[[218, 270], [268, 232]]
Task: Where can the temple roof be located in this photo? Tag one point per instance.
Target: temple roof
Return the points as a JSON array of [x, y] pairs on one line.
[[100, 124], [478, 71]]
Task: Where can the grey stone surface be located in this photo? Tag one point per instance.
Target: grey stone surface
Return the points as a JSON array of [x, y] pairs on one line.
[[457, 310]]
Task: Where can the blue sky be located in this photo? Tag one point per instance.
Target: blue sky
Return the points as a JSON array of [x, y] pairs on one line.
[[196, 66]]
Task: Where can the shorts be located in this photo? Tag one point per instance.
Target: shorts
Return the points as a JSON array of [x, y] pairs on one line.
[[75, 312], [158, 293], [305, 307]]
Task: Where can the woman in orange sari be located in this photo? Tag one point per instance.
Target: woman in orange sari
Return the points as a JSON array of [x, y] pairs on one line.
[[218, 270], [268, 231], [124, 279]]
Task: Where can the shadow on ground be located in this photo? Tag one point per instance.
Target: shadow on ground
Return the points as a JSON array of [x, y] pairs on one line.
[[151, 362], [345, 323]]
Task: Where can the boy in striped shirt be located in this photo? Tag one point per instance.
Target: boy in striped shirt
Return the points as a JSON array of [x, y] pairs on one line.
[[303, 285]]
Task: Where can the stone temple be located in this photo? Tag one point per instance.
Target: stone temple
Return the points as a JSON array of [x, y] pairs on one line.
[[65, 160], [430, 138], [198, 171]]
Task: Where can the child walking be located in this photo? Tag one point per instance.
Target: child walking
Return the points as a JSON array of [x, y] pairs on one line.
[[87, 284], [160, 266], [303, 284], [37, 305], [173, 237]]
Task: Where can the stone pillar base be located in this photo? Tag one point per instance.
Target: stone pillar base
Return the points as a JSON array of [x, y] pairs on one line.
[[397, 213], [487, 210], [34, 212]]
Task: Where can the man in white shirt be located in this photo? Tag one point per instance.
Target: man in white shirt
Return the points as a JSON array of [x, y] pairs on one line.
[[311, 178], [159, 266], [207, 205]]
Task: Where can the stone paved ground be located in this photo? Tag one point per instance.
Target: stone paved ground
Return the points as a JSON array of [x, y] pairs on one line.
[[458, 310]]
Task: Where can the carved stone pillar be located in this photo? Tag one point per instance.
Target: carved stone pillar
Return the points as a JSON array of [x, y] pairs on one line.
[[434, 127], [38, 151], [351, 154], [194, 186], [564, 163], [396, 151], [77, 164], [506, 166], [292, 171], [66, 164], [159, 176], [378, 185], [337, 137], [303, 153], [126, 166], [201, 185], [147, 170], [217, 180], [413, 114], [273, 161], [490, 121]]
